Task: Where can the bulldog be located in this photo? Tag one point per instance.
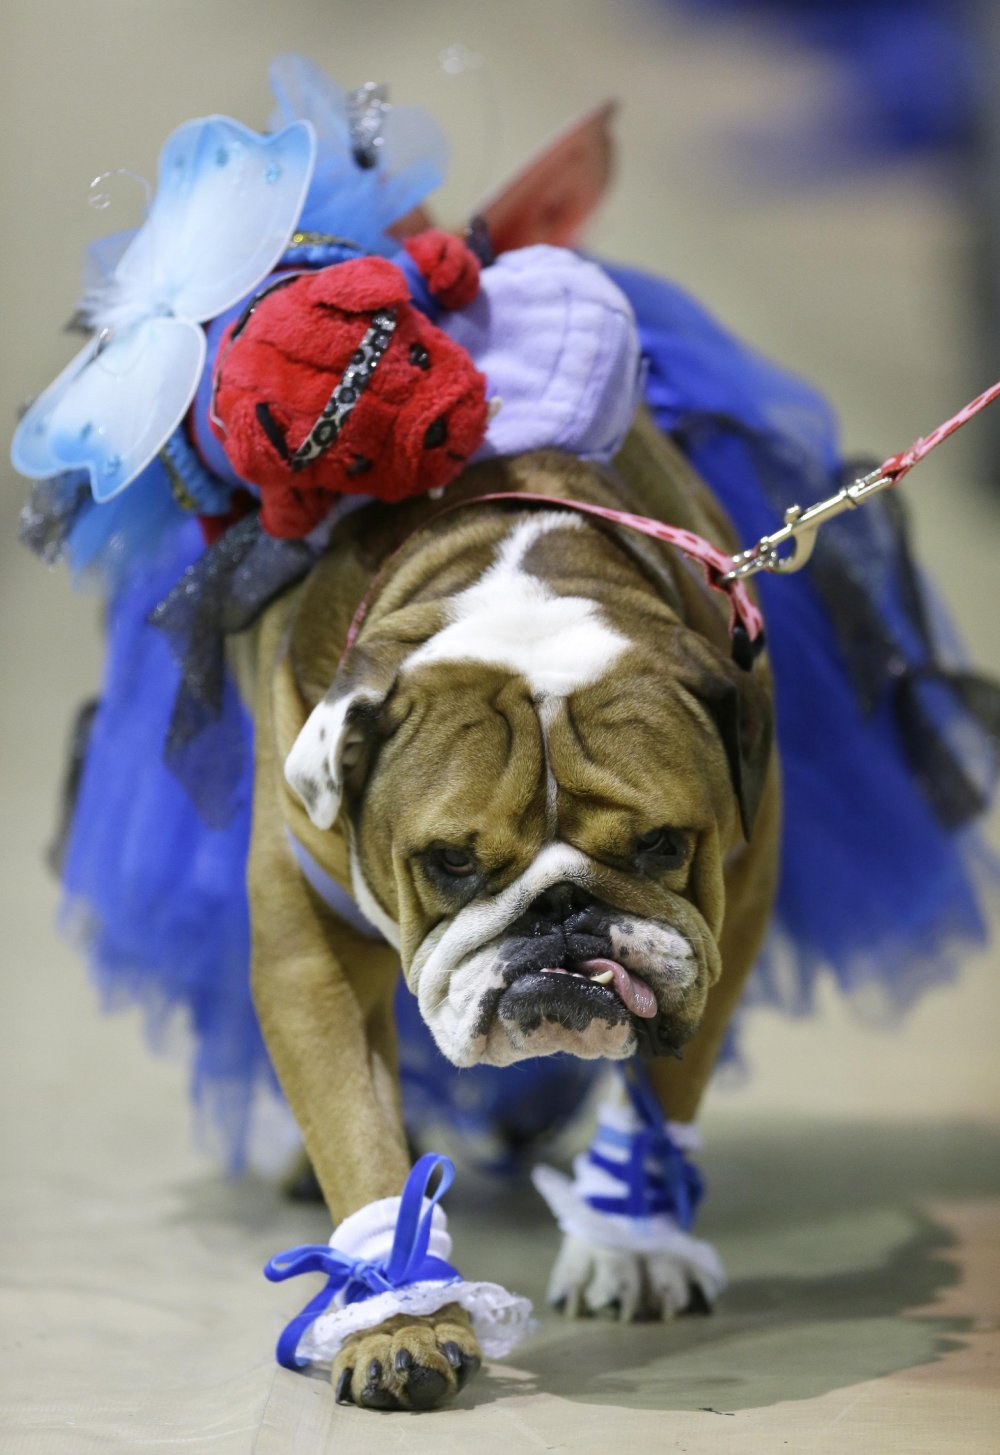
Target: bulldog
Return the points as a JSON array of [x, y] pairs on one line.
[[540, 775]]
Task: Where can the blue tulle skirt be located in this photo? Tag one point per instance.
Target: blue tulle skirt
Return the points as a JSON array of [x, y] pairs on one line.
[[874, 891], [908, 78], [158, 898]]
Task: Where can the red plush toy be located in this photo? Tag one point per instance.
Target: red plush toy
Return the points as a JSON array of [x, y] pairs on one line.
[[333, 382]]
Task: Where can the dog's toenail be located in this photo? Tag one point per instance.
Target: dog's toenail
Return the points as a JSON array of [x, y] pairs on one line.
[[452, 1353], [342, 1394], [403, 1361], [470, 1363], [374, 1372]]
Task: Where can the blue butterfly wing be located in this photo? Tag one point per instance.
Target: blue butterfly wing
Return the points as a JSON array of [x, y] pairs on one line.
[[101, 258], [113, 407], [304, 93], [414, 157], [339, 197], [227, 202], [345, 199]]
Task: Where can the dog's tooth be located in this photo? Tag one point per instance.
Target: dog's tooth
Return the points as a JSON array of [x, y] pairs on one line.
[[604, 978]]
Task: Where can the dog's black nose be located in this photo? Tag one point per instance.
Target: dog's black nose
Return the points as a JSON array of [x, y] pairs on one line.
[[557, 903]]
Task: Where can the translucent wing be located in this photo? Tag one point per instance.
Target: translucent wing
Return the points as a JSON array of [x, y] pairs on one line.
[[101, 258], [226, 205], [414, 158], [113, 407], [345, 199], [304, 93]]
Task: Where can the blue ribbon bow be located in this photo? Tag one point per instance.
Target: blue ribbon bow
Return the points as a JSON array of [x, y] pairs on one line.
[[671, 1185], [408, 1261]]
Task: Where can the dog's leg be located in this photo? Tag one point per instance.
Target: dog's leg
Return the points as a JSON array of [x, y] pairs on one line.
[[329, 1034], [331, 1038], [620, 1262], [323, 994]]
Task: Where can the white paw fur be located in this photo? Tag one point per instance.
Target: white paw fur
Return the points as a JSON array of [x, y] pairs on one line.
[[588, 1278]]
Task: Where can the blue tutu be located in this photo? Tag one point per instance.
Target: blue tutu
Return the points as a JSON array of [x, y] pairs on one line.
[[874, 887], [877, 888], [909, 79], [157, 896]]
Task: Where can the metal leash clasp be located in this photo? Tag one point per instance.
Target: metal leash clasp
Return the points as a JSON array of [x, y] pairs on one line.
[[800, 527]]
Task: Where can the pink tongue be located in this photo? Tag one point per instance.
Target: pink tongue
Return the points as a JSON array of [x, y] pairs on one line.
[[634, 992]]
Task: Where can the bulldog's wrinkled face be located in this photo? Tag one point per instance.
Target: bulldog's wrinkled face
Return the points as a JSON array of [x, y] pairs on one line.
[[540, 812]]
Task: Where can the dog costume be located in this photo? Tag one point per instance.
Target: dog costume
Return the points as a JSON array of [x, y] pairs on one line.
[[155, 860]]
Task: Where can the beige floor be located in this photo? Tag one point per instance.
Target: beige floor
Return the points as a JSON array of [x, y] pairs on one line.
[[856, 1179]]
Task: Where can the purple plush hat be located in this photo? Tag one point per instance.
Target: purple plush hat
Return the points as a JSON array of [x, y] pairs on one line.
[[557, 342]]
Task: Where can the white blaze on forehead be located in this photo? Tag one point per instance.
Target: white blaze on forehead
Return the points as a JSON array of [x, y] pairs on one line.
[[511, 619], [546, 712]]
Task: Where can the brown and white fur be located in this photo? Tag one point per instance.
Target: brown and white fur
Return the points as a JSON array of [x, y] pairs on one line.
[[538, 692]]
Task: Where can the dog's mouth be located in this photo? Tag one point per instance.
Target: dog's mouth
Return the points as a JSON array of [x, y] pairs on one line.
[[578, 991], [598, 981], [614, 979]]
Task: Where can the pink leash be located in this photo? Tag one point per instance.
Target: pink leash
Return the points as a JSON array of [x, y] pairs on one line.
[[800, 527], [896, 466]]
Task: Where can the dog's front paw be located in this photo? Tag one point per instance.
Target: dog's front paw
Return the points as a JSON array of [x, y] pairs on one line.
[[589, 1278], [408, 1362]]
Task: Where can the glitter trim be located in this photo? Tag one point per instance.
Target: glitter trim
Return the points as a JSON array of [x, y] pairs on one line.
[[336, 412]]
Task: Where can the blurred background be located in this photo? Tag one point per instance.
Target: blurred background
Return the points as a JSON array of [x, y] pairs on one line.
[[823, 178]]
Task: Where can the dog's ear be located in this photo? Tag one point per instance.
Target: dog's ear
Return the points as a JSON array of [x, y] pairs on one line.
[[739, 703], [335, 743]]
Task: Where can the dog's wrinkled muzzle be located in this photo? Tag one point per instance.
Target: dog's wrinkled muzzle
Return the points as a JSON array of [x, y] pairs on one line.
[[567, 963], [547, 966]]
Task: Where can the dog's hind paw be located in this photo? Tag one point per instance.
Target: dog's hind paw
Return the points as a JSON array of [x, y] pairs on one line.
[[589, 1279], [408, 1362]]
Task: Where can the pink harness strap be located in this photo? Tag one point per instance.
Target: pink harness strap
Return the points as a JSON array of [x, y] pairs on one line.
[[727, 574], [714, 563], [746, 625]]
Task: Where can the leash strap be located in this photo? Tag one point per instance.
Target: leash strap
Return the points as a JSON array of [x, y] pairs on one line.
[[746, 625], [801, 525], [715, 564], [896, 466]]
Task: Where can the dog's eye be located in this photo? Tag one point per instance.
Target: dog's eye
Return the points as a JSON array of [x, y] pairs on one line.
[[668, 846], [436, 434], [456, 861]]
